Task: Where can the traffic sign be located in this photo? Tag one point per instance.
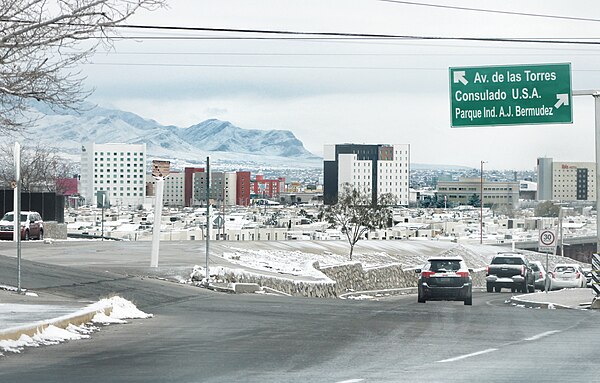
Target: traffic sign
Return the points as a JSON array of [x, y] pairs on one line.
[[547, 240], [511, 95]]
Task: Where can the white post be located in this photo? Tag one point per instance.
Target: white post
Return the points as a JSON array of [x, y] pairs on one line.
[[160, 181], [17, 211]]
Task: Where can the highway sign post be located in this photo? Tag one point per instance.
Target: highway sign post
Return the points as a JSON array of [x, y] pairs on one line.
[[511, 95]]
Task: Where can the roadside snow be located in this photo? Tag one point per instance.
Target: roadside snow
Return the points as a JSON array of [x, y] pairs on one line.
[[121, 309]]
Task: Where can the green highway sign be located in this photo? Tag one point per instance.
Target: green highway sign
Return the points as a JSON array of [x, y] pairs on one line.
[[511, 95]]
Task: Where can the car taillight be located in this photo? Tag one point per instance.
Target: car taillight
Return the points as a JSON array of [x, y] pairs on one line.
[[523, 270], [487, 270], [463, 274], [427, 274], [578, 275], [551, 274], [541, 276]]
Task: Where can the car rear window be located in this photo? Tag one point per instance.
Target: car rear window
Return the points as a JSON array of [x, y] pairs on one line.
[[507, 261], [535, 267], [443, 265], [564, 269]]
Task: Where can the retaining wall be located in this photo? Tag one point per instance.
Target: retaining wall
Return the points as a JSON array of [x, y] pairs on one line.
[[337, 280]]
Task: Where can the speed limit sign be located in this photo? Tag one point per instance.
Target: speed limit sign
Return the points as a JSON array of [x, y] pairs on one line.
[[547, 240]]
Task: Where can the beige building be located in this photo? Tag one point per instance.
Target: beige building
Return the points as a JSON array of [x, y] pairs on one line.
[[494, 193]]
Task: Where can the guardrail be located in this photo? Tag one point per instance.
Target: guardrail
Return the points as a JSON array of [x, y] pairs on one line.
[[596, 273]]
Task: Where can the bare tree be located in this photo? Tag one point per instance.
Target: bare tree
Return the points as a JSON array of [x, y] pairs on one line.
[[356, 214], [42, 41], [42, 168]]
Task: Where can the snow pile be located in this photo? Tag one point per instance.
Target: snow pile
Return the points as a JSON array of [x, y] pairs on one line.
[[121, 309], [124, 309]]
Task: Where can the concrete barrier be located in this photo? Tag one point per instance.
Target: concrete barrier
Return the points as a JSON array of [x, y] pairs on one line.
[[77, 319]]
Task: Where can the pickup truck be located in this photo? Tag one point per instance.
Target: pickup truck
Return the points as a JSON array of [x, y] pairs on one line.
[[510, 270]]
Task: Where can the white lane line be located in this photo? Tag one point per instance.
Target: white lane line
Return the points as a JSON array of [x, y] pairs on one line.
[[467, 355], [351, 381], [538, 336]]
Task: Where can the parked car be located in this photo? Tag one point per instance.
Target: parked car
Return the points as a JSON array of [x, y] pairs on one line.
[[32, 225], [539, 273], [446, 279], [588, 276], [567, 275]]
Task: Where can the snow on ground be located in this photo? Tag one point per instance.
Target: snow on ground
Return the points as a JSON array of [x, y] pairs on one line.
[[121, 309], [410, 254], [371, 254]]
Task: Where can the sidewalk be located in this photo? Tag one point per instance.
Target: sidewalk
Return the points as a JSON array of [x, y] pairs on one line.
[[560, 299], [23, 314]]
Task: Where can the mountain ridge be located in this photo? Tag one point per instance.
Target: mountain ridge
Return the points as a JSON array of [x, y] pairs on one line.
[[69, 129]]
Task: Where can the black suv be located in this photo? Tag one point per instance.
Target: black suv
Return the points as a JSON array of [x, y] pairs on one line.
[[445, 279]]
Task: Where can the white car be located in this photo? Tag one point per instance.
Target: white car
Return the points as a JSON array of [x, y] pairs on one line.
[[567, 275]]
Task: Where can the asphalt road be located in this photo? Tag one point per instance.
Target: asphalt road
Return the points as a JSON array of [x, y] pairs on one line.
[[202, 336]]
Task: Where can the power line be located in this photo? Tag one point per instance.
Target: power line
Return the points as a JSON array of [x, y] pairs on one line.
[[267, 66], [370, 37], [263, 54], [571, 18]]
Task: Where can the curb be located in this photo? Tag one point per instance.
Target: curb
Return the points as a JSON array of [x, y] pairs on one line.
[[536, 305], [77, 319]]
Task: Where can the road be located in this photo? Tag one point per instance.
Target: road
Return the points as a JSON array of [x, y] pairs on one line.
[[202, 336]]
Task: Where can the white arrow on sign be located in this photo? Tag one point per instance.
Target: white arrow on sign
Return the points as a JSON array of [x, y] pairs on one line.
[[460, 76], [563, 99]]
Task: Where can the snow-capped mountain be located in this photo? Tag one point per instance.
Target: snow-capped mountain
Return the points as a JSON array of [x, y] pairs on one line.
[[68, 130]]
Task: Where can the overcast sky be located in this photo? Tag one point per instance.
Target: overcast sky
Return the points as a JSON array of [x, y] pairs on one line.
[[361, 91]]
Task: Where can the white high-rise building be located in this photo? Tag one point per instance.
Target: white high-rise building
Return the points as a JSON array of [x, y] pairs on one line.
[[372, 169], [117, 169], [566, 181]]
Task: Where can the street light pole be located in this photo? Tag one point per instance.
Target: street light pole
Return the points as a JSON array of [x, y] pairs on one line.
[[481, 204]]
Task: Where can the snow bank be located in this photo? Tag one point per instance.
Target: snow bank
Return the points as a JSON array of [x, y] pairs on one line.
[[48, 334]]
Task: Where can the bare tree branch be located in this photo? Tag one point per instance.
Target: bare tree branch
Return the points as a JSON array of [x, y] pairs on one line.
[[41, 168], [41, 43]]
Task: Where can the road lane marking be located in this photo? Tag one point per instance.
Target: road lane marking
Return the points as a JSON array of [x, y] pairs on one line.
[[467, 355], [351, 381], [539, 336]]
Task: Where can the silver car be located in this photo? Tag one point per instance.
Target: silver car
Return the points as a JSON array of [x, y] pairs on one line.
[[567, 275], [539, 273]]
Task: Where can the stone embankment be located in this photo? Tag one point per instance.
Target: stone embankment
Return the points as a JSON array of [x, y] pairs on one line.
[[337, 280]]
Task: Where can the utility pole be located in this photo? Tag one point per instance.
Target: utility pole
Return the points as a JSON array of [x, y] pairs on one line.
[[17, 211], [481, 204], [207, 214]]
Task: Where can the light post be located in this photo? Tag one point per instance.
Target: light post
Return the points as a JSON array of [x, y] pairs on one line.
[[481, 203]]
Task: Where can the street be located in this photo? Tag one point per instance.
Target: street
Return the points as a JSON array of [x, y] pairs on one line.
[[202, 336]]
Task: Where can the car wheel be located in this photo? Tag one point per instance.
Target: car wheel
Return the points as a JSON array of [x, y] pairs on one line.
[[531, 288], [469, 300], [489, 287], [26, 237], [512, 289], [420, 297], [41, 236], [497, 289]]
